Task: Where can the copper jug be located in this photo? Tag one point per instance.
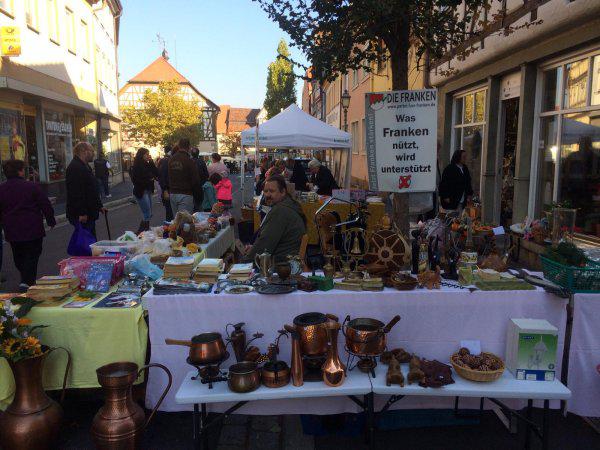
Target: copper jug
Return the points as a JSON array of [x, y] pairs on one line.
[[120, 423], [32, 421], [333, 369], [237, 339]]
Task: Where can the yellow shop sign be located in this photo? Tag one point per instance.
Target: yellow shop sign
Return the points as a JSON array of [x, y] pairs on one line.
[[10, 41]]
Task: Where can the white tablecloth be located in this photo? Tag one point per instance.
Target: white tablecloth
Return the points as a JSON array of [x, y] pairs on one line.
[[584, 379], [217, 246], [433, 324]]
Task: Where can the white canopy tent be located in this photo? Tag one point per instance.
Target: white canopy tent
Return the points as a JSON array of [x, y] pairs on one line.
[[294, 128]]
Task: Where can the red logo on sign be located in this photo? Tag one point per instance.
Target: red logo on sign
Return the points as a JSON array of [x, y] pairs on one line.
[[404, 181], [374, 98]]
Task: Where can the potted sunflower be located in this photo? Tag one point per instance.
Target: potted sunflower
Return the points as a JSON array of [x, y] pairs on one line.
[[32, 420]]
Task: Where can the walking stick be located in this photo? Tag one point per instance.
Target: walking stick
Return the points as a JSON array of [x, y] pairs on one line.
[[107, 226]]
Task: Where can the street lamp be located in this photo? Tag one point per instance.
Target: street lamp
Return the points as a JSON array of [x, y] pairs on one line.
[[345, 104]]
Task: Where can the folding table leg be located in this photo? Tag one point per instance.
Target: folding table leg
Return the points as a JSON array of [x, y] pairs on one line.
[[369, 402], [196, 424], [203, 430], [546, 425], [528, 424]]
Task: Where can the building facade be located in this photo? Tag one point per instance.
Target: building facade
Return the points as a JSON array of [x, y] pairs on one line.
[[323, 100], [525, 106], [161, 70], [232, 121], [63, 86]]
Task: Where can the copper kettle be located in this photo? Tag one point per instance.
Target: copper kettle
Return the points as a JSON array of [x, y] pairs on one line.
[[120, 423]]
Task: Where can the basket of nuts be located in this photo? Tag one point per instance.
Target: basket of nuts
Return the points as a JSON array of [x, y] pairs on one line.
[[485, 367]]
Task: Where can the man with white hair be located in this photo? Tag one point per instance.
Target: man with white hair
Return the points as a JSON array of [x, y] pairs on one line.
[[321, 178]]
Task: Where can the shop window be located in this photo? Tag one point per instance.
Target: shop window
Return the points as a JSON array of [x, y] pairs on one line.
[[469, 129], [7, 7], [580, 168], [595, 100], [31, 14], [576, 76], [569, 141], [12, 143], [550, 89], [59, 142]]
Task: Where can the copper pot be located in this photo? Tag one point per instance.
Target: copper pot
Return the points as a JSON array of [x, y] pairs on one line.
[[205, 348], [275, 374], [366, 336], [120, 423], [313, 333], [244, 377], [32, 421]]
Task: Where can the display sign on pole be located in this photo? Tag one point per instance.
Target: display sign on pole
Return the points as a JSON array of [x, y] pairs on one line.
[[10, 41], [401, 134]]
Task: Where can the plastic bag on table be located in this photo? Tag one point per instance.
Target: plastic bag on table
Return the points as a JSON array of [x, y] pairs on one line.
[[128, 236], [141, 265], [162, 247]]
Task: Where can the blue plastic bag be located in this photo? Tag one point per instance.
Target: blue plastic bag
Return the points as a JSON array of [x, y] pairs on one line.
[[80, 242]]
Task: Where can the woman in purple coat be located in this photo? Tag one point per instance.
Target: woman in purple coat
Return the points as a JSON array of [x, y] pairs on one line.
[[23, 207]]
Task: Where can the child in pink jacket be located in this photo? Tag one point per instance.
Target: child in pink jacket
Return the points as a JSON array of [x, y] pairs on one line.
[[223, 188]]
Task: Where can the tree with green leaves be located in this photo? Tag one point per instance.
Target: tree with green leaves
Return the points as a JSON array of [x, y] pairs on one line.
[[164, 117], [338, 36], [231, 144], [281, 82]]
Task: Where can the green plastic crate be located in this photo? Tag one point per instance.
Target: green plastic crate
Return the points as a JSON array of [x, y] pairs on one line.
[[575, 279]]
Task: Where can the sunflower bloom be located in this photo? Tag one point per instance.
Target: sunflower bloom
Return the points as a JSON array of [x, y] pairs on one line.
[[31, 342], [11, 346]]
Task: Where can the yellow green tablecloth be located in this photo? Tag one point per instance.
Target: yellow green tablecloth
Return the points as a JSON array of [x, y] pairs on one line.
[[94, 336]]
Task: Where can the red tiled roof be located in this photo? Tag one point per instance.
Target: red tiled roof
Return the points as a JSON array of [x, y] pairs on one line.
[[158, 71], [236, 120]]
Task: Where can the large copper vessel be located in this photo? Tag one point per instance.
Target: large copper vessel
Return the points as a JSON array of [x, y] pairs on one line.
[[32, 421], [313, 332], [120, 423], [333, 370]]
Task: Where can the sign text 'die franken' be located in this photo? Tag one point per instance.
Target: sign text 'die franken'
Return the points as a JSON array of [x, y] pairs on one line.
[[401, 140]]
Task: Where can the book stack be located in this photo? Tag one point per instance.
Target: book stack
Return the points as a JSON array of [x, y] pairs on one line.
[[179, 267], [241, 272], [53, 287], [208, 270]]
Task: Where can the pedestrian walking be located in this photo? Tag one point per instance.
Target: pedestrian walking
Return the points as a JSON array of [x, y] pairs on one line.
[[101, 171], [217, 166], [143, 173], [83, 200], [23, 207], [163, 181], [224, 190], [184, 182], [203, 176], [209, 195]]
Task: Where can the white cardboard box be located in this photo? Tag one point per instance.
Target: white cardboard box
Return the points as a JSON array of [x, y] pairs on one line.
[[531, 349]]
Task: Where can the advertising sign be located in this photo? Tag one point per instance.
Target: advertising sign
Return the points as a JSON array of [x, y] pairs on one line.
[[10, 41], [401, 140]]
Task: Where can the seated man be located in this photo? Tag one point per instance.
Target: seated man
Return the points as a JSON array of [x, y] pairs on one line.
[[281, 230]]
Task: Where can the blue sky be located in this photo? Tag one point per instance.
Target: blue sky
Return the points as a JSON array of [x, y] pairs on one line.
[[222, 46]]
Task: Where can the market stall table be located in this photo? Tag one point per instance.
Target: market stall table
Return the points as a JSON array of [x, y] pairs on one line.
[[506, 387], [433, 324], [192, 391], [94, 336], [376, 212], [218, 246], [584, 356]]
